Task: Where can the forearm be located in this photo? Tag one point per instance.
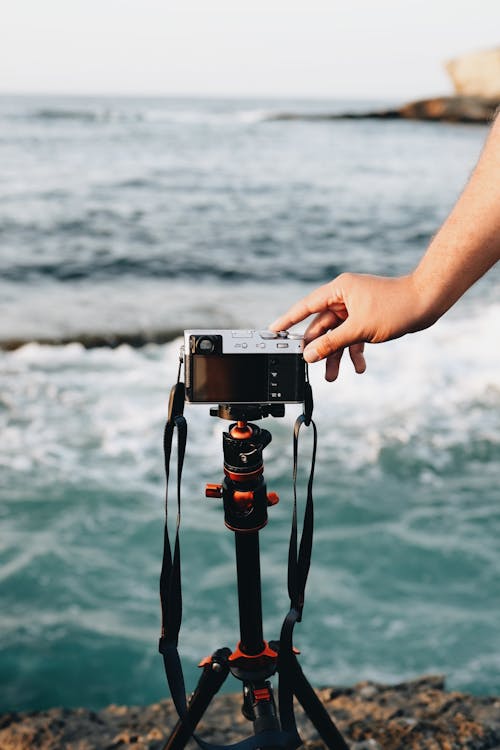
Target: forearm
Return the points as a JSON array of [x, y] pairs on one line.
[[468, 243], [355, 308]]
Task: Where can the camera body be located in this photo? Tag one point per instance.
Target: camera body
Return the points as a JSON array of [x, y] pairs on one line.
[[243, 367]]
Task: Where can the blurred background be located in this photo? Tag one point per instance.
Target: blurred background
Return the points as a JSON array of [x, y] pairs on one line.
[[148, 185]]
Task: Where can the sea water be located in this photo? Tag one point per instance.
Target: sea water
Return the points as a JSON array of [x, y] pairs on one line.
[[138, 215]]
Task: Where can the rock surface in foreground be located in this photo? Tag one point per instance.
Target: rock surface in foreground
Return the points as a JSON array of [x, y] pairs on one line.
[[417, 714]]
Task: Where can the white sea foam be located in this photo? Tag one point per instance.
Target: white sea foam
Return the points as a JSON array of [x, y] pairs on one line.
[[438, 388], [442, 385]]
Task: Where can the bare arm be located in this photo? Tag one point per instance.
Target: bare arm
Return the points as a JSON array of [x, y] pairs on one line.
[[468, 243], [356, 308]]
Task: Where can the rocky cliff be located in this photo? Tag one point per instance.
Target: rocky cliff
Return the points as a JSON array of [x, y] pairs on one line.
[[419, 714], [476, 74]]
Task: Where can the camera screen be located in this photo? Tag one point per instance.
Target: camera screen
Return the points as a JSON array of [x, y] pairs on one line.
[[234, 378]]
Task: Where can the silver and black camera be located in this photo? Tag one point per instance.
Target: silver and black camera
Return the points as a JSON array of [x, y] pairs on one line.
[[243, 367]]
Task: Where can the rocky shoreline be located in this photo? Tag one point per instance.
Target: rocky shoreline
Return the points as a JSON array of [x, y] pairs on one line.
[[477, 110], [416, 714], [135, 339]]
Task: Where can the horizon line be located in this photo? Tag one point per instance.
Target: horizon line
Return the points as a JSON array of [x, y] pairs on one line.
[[226, 95]]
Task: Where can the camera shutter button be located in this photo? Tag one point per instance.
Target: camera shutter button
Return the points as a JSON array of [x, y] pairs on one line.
[[268, 334]]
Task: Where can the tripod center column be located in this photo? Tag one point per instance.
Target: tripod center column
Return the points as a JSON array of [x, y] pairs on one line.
[[245, 513]]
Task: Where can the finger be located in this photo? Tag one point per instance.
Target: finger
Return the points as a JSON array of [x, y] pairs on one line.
[[315, 302], [357, 357], [345, 335], [333, 365], [320, 325]]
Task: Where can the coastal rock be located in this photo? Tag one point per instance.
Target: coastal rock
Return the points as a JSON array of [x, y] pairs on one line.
[[135, 339], [468, 109], [465, 109], [417, 714], [476, 74]]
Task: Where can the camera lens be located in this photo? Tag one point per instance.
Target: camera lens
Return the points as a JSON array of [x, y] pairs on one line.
[[205, 345]]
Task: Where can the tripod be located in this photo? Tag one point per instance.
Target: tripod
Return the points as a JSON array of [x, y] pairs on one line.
[[254, 661]]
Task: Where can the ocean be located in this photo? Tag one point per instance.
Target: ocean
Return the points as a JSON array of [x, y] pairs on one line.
[[140, 217]]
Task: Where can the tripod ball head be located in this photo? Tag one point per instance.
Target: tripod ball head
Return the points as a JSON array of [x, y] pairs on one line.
[[244, 490], [243, 446]]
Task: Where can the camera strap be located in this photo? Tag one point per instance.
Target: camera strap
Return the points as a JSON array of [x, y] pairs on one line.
[[170, 576], [299, 561], [299, 558]]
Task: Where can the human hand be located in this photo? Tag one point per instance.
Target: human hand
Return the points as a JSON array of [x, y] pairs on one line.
[[351, 310]]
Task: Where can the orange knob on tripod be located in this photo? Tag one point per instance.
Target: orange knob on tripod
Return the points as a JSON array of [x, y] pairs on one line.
[[213, 490], [272, 498]]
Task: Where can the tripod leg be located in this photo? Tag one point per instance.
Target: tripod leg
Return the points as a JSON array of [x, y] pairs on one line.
[[315, 711], [211, 679]]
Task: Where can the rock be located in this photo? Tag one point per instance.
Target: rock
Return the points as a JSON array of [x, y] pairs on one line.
[[476, 74], [417, 714], [135, 339], [466, 109], [471, 109], [368, 691], [368, 745]]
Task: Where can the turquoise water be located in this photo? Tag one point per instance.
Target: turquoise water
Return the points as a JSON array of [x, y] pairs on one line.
[[406, 564]]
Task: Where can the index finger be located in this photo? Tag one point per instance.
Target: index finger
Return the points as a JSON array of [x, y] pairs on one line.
[[314, 302]]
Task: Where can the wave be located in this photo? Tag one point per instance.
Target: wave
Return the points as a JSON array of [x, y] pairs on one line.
[[80, 115], [439, 415], [109, 245], [173, 115], [428, 403], [89, 114], [194, 116], [198, 271]]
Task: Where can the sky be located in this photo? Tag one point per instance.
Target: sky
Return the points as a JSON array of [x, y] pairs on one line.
[[392, 49]]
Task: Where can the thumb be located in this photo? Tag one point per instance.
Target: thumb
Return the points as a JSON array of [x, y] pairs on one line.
[[337, 339]]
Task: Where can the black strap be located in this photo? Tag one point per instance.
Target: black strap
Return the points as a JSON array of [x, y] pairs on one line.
[[170, 576], [299, 564], [299, 560]]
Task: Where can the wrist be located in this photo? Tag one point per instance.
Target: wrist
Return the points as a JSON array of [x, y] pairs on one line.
[[427, 303]]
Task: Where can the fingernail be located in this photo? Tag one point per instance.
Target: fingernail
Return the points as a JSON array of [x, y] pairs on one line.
[[311, 355]]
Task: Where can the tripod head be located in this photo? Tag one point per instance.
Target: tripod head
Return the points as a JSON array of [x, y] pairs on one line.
[[243, 489]]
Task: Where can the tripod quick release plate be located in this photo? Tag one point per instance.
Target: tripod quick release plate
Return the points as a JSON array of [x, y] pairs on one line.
[[247, 412]]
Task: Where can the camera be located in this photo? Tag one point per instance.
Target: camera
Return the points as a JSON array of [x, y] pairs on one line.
[[243, 367]]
